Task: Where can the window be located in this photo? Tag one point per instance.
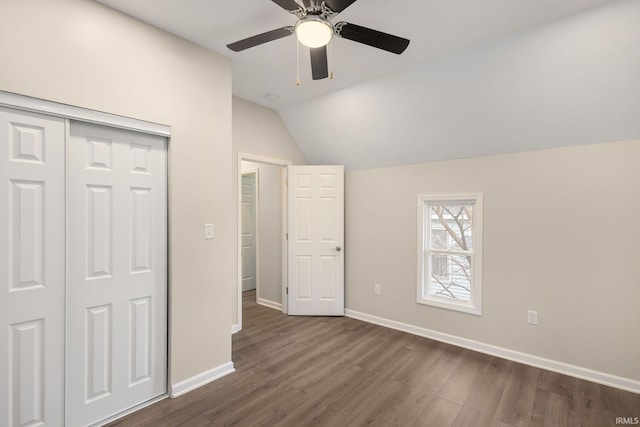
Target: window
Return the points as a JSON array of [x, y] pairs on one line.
[[449, 252]]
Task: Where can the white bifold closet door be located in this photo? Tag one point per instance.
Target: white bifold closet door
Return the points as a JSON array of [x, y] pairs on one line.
[[32, 269], [116, 342]]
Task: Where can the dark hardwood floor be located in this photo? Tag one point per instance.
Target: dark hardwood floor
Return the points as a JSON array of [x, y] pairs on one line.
[[317, 371]]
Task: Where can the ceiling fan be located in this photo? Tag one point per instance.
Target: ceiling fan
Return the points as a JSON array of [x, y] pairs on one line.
[[314, 29]]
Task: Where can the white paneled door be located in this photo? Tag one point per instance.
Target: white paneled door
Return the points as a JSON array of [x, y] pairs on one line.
[[316, 240], [249, 232], [116, 344], [32, 269]]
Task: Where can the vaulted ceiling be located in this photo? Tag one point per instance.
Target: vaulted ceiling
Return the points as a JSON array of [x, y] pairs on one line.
[[479, 77]]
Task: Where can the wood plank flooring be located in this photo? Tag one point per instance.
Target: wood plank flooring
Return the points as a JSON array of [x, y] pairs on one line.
[[317, 371]]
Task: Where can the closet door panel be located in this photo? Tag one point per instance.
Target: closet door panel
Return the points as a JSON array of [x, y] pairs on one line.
[[32, 265], [117, 282]]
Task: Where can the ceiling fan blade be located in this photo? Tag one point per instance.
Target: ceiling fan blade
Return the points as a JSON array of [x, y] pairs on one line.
[[338, 5], [319, 66], [370, 37], [260, 39], [289, 5]]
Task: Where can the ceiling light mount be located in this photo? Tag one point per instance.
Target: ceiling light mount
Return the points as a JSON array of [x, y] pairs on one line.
[[313, 9]]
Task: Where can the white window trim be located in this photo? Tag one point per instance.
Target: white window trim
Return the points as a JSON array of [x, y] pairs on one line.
[[474, 306]]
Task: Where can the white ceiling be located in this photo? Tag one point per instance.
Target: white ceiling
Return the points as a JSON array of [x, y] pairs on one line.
[[439, 30], [435, 28]]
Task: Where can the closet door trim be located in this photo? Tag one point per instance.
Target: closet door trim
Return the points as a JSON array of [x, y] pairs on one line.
[[35, 105]]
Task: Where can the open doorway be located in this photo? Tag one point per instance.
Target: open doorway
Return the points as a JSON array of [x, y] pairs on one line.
[[262, 227]]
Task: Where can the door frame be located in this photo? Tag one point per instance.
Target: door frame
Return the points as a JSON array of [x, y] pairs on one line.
[[69, 112], [257, 158]]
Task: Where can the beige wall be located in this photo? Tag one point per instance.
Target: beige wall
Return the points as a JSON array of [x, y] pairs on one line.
[[81, 53], [260, 131], [561, 236], [269, 248]]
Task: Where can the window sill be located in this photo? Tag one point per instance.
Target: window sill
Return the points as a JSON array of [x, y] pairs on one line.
[[469, 307]]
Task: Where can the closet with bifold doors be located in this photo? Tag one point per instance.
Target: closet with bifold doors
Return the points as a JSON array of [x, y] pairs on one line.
[[83, 263]]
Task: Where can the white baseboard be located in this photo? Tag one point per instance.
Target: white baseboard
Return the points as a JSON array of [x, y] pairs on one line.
[[505, 353], [270, 304], [235, 328], [199, 380]]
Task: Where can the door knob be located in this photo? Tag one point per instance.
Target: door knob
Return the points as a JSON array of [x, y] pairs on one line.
[[338, 248]]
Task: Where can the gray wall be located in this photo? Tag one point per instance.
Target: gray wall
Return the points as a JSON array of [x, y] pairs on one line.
[[81, 53], [560, 237]]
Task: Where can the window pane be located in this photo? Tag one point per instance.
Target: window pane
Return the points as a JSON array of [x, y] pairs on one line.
[[440, 266], [455, 283], [439, 238], [455, 221]]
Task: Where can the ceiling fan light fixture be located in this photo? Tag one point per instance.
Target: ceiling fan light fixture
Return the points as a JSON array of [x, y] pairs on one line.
[[314, 31]]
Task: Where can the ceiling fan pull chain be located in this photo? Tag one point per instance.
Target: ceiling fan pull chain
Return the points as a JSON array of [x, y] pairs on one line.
[[297, 63], [331, 59]]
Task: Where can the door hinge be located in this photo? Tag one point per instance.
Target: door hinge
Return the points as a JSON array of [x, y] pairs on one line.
[[286, 236], [287, 290]]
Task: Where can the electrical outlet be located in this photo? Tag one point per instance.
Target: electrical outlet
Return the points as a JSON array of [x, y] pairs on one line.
[[532, 317], [377, 289]]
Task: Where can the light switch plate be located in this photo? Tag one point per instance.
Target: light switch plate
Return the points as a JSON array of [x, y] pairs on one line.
[[208, 231]]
